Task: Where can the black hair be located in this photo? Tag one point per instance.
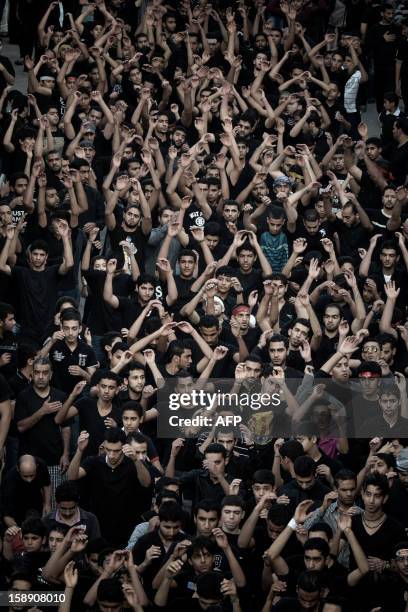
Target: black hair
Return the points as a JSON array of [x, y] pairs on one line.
[[388, 459], [304, 466], [114, 435], [110, 589], [163, 482], [279, 338], [376, 480], [390, 389], [292, 449], [263, 476], [209, 321], [65, 299], [100, 374], [67, 491], [279, 514], [34, 525], [200, 543], [6, 309], [38, 245], [134, 407], [169, 511], [321, 526], [208, 505], [137, 437], [187, 253], [70, 314], [24, 353], [343, 475], [317, 544], [146, 279], [209, 584], [310, 581], [216, 448], [233, 500]]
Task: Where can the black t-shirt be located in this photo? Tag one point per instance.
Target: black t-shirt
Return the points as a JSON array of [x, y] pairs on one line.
[[62, 357], [91, 421], [19, 496], [44, 438], [137, 241], [100, 316], [351, 238], [114, 497], [37, 294], [8, 344], [381, 543], [129, 309]]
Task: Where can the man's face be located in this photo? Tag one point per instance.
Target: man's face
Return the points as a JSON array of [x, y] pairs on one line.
[[67, 509], [84, 173], [224, 283], [230, 213], [132, 217], [28, 471], [371, 351], [261, 489], [107, 389], [246, 260], [280, 287], [275, 225], [306, 442], [341, 371], [9, 322], [373, 499], [336, 62], [210, 335], [216, 462], [213, 194], [298, 334], [113, 452], [136, 380], [244, 127], [202, 561], [53, 116], [401, 561], [140, 449], [348, 216], [403, 478], [6, 215], [41, 376], [71, 331], [338, 162], [273, 529], [389, 405], [314, 560], [308, 601], [253, 370], [130, 420], [346, 491], [179, 138], [276, 36], [145, 292], [333, 92], [312, 227], [243, 319], [100, 264], [331, 319], [162, 124], [231, 517], [277, 353], [227, 440], [20, 186], [387, 15], [387, 352], [388, 258], [32, 542], [187, 264], [206, 522], [260, 190], [305, 482], [186, 359], [169, 529], [389, 199], [55, 539], [373, 152], [55, 162], [212, 241]]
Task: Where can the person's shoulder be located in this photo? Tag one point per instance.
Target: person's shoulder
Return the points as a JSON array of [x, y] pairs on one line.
[[57, 394]]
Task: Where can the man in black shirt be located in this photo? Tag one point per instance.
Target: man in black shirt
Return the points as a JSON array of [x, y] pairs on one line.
[[115, 481], [95, 414], [34, 415], [71, 357], [305, 485], [37, 286]]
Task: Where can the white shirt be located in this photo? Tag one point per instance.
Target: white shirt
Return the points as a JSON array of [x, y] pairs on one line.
[[351, 91]]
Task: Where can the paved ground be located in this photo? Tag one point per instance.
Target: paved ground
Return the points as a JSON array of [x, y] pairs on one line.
[[11, 51]]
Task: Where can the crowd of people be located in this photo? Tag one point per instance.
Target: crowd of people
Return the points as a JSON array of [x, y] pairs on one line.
[[192, 206]]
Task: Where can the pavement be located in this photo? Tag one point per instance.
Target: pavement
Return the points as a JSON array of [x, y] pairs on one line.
[[370, 117]]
